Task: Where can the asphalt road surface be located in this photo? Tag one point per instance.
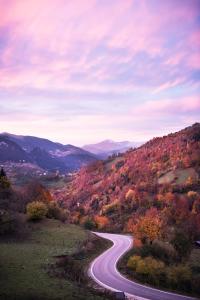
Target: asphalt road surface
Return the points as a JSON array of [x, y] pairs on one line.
[[103, 270]]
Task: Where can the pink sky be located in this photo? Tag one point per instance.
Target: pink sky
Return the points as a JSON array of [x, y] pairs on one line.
[[87, 70]]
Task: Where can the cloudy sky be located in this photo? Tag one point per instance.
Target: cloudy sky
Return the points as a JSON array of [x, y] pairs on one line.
[[80, 71]]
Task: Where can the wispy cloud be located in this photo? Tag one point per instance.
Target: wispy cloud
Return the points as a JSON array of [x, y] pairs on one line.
[[85, 55]]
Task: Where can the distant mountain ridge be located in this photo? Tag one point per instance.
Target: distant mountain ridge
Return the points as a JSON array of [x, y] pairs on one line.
[[109, 147], [43, 152]]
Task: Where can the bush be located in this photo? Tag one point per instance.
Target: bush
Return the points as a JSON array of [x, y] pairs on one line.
[[180, 277], [36, 210], [56, 212], [89, 224], [37, 192], [68, 267], [7, 222], [193, 195], [4, 183], [194, 260], [53, 210], [182, 244], [130, 195], [133, 262], [153, 269], [196, 284], [160, 250], [102, 222], [110, 208], [64, 215], [149, 269]]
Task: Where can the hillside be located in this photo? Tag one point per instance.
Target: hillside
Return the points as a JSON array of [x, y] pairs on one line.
[[43, 153], [10, 151], [118, 188], [40, 252], [28, 265], [153, 193]]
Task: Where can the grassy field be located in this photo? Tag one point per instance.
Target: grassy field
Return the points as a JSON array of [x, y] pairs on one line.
[[178, 176], [23, 272]]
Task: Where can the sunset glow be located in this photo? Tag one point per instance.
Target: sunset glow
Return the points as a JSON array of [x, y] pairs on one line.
[[85, 70]]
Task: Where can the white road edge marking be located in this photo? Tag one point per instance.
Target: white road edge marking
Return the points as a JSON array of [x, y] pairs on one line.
[[115, 266], [91, 273]]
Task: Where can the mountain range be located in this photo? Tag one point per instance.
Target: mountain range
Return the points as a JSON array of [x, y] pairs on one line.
[[43, 152], [53, 156]]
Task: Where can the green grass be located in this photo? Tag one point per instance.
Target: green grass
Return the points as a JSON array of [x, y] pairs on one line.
[[112, 162], [178, 176], [23, 265]]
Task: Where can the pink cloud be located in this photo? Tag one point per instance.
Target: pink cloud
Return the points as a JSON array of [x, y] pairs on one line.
[[194, 39], [169, 84], [54, 41], [193, 61], [169, 107]]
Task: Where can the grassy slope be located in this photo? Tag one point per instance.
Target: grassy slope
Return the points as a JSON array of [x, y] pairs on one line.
[[22, 264]]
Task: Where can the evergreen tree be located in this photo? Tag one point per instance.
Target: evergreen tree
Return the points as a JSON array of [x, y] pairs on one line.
[[4, 182], [2, 173]]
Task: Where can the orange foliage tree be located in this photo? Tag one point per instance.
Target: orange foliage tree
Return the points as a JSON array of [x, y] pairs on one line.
[[148, 227], [101, 221]]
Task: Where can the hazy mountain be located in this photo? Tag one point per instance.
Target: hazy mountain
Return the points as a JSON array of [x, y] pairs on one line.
[[43, 152], [109, 147]]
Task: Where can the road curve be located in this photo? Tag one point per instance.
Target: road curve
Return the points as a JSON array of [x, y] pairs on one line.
[[103, 270]]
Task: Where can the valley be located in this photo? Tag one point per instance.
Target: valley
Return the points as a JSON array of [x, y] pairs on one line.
[[42, 153], [151, 193], [99, 150]]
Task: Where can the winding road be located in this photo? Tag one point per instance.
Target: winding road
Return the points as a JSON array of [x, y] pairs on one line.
[[104, 271]]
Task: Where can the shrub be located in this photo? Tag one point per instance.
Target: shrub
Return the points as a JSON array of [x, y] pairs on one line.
[[56, 212], [193, 195], [101, 222], [180, 277], [7, 222], [196, 284], [181, 243], [4, 183], [53, 210], [37, 192], [151, 268], [141, 267], [148, 268], [72, 268], [133, 262], [36, 210], [64, 215], [119, 164], [160, 250], [88, 224], [194, 260], [130, 195], [110, 208]]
